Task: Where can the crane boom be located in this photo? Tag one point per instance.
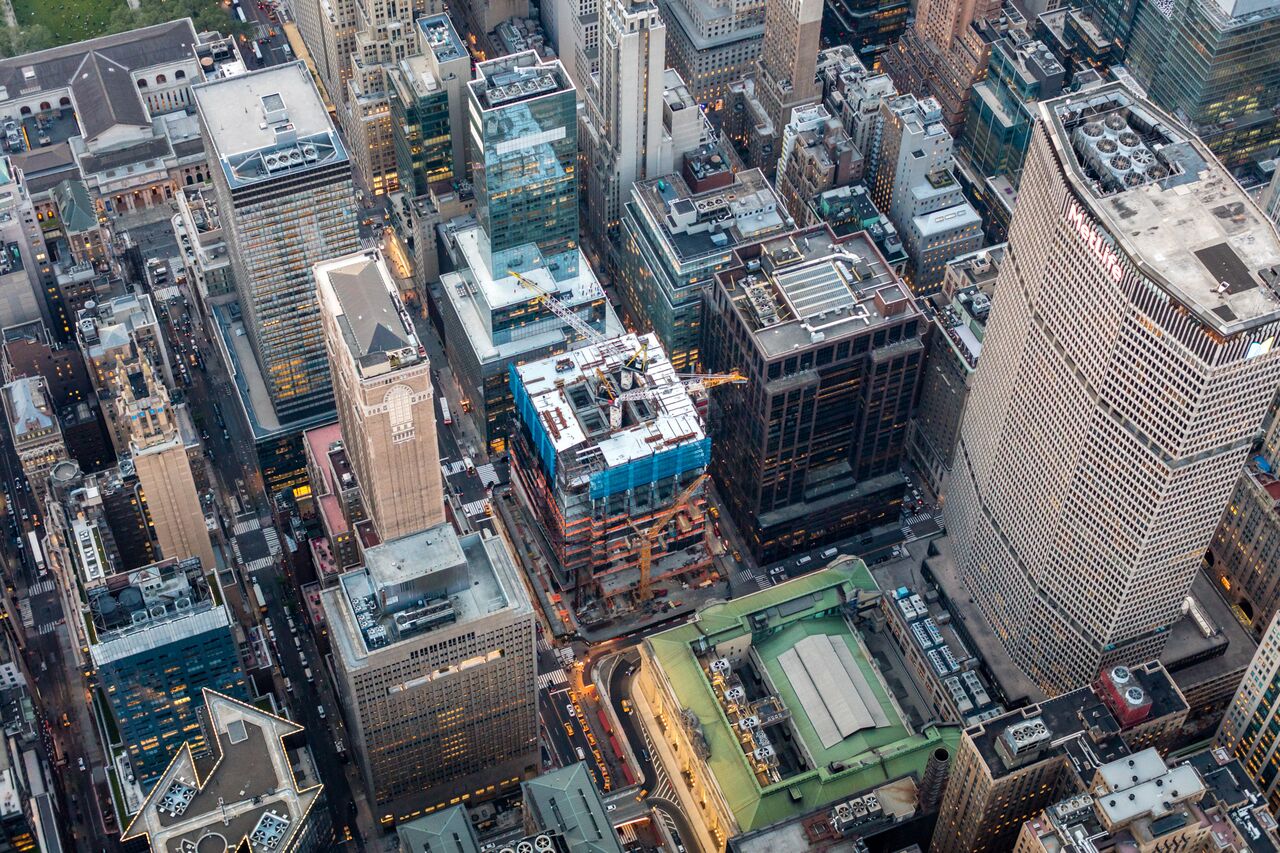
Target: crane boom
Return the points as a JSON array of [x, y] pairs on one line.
[[644, 593], [570, 317]]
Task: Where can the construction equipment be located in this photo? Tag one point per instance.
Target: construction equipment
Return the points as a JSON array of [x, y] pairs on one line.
[[693, 382], [571, 318], [643, 592]]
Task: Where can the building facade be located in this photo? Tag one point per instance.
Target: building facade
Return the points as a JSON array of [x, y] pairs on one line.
[[1244, 554], [283, 183], [160, 638], [433, 648], [427, 100], [809, 450], [384, 394], [676, 234], [1250, 727], [1194, 310], [713, 43]]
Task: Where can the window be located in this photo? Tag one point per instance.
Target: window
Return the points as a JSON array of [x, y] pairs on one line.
[[160, 78], [142, 84], [179, 75]]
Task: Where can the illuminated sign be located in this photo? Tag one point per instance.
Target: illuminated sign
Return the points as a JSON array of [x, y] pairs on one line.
[[1099, 243]]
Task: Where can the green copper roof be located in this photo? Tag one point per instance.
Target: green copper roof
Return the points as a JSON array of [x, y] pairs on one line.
[[778, 618]]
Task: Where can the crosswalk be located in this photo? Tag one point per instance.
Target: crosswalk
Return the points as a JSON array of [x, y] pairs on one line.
[[543, 645], [747, 578], [46, 585], [488, 474], [24, 609], [474, 508], [48, 628], [554, 678]]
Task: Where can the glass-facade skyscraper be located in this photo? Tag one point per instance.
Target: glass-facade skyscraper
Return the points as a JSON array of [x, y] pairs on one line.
[[525, 134], [159, 638], [426, 100], [285, 192], [1214, 64]]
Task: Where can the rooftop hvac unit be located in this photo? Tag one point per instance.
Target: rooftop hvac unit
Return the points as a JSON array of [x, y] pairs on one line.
[[524, 847], [1158, 172], [1120, 675], [1115, 121], [1142, 158], [1128, 140], [1026, 736], [872, 803], [309, 153], [735, 694], [507, 850], [720, 665], [749, 723], [1107, 146], [543, 843], [763, 753], [857, 807]]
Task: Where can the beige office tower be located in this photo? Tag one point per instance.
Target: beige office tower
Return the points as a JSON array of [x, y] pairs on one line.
[[159, 449], [785, 76], [433, 653], [1126, 368], [382, 386]]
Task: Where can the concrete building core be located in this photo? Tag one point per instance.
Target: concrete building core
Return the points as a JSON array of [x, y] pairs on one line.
[[599, 473]]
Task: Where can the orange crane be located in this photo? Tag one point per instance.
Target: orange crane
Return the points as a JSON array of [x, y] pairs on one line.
[[643, 592]]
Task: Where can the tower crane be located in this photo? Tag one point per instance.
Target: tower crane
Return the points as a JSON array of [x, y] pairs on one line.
[[571, 318], [643, 592]]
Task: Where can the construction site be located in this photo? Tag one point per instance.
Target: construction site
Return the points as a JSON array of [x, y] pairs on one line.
[[611, 452]]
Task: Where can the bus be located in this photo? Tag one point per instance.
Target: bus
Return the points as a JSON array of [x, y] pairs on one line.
[[257, 51], [258, 598], [240, 15], [444, 411], [37, 556]]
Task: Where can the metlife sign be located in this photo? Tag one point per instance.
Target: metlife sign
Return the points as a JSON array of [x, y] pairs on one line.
[[1094, 238]]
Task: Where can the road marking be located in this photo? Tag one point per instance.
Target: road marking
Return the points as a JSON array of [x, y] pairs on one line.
[[488, 474], [46, 585], [474, 508], [49, 628], [24, 608], [555, 676]]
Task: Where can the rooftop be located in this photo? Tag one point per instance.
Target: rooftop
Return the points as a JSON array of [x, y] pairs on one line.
[[1173, 211], [359, 291], [844, 730], [30, 413], [703, 226], [440, 38], [246, 793], [799, 289], [135, 50], [1057, 726], [567, 399], [418, 583], [267, 124], [517, 78]]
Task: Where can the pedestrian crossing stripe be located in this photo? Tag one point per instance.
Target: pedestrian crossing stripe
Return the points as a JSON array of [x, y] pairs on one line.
[[555, 676]]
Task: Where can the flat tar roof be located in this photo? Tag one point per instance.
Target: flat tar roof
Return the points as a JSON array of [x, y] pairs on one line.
[[1169, 205]]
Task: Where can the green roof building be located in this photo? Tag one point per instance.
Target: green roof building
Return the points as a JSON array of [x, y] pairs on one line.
[[772, 706]]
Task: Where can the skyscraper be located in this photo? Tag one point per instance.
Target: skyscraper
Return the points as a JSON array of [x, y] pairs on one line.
[[283, 180], [158, 445], [623, 139], [159, 638], [1251, 725], [524, 139], [385, 34], [942, 55], [1125, 370], [808, 451], [1214, 64], [433, 650], [382, 387], [1244, 554], [784, 77], [428, 108], [713, 43]]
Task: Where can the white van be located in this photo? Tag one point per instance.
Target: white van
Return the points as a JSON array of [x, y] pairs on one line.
[[830, 553]]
